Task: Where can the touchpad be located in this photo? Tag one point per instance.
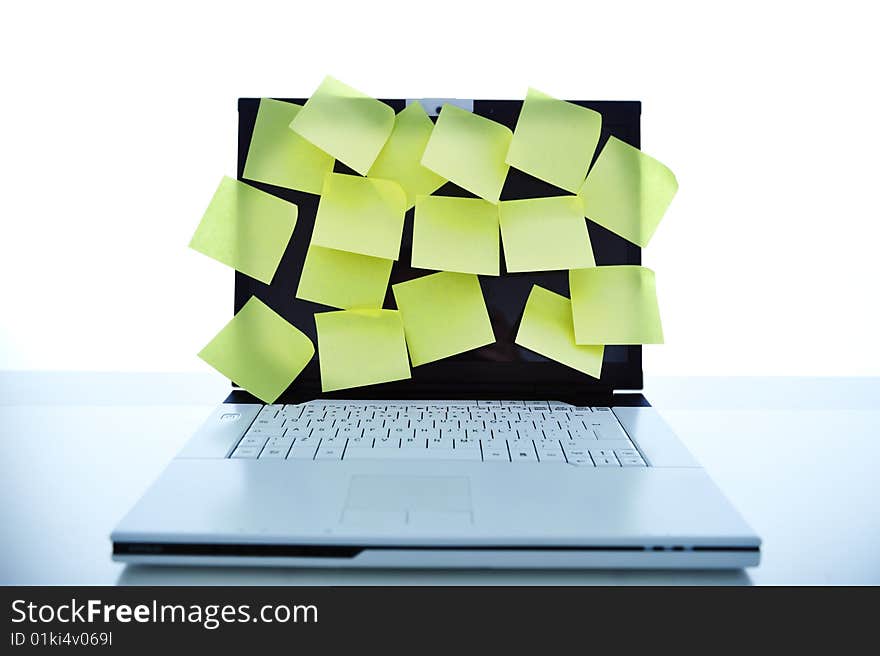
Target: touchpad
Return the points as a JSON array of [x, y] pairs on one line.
[[408, 499]]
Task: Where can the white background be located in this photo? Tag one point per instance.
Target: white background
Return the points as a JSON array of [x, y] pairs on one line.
[[117, 124]]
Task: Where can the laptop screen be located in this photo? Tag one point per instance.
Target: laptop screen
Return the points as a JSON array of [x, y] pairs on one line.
[[501, 370]]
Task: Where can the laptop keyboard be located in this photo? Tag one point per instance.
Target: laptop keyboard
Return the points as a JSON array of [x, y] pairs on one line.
[[487, 431]]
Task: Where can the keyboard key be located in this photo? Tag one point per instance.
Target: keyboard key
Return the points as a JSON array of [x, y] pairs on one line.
[[402, 433], [581, 461], [496, 453], [472, 424], [479, 434], [523, 453], [631, 462], [580, 432], [274, 452], [466, 443], [551, 455], [627, 453], [246, 452], [253, 441], [427, 433], [602, 453], [362, 441], [297, 431], [391, 442], [606, 462], [349, 431], [453, 433], [298, 452], [439, 442], [398, 425], [329, 453], [413, 443], [268, 431], [375, 433]]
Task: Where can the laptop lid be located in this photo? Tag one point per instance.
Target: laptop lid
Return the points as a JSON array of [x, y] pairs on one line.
[[503, 370]]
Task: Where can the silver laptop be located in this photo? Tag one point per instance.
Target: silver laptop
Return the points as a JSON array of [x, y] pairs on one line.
[[495, 458]]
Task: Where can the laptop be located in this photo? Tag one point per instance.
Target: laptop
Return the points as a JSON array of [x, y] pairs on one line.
[[494, 458]]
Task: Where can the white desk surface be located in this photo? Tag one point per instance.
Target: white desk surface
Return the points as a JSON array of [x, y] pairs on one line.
[[797, 456]]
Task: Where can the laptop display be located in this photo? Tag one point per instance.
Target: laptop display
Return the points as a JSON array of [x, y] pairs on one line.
[[500, 370]]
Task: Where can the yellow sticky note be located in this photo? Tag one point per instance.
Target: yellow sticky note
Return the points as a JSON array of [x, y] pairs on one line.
[[469, 150], [456, 234], [279, 156], [627, 191], [615, 305], [360, 215], [545, 234], [342, 279], [554, 140], [443, 314], [400, 159], [245, 228], [360, 347], [260, 351], [347, 124], [547, 328]]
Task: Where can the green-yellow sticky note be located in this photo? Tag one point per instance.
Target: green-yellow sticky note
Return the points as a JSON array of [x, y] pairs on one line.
[[546, 328], [347, 124], [545, 234], [469, 150], [400, 159], [554, 140], [360, 215], [342, 279], [615, 305], [456, 234], [245, 228], [443, 314], [260, 351], [279, 156], [360, 347], [627, 191]]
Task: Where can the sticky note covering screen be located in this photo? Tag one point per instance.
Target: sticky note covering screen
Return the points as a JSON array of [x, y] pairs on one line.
[[260, 351], [547, 328], [245, 228], [443, 314], [554, 140], [470, 151], [627, 191], [456, 234], [400, 159], [279, 156], [360, 347], [342, 279], [347, 124], [545, 234], [360, 215], [615, 305]]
